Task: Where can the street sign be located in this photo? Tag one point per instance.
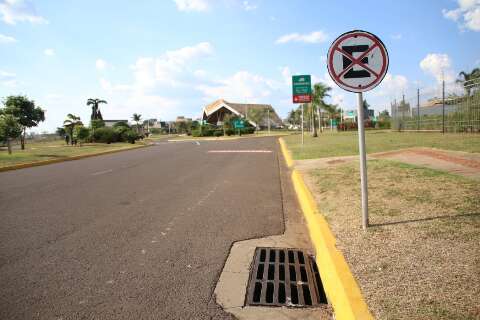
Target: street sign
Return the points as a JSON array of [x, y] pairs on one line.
[[357, 61], [239, 124], [302, 89]]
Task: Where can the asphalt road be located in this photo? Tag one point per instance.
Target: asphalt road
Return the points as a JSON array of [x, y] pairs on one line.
[[140, 234]]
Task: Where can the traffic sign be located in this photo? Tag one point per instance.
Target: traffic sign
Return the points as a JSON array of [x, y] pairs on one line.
[[302, 89], [357, 61], [239, 124]]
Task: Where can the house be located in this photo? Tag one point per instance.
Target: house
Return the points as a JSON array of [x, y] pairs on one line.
[[215, 112]]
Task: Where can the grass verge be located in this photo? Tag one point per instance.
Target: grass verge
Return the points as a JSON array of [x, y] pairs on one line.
[[420, 259], [330, 144], [41, 151]]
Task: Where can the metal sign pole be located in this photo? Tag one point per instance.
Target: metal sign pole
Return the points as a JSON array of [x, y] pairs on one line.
[[363, 160], [302, 125]]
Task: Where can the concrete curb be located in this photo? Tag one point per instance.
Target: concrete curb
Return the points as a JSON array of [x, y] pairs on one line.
[[50, 161], [340, 286], [286, 153]]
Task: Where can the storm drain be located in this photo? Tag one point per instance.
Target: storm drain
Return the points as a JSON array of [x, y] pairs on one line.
[[284, 277]]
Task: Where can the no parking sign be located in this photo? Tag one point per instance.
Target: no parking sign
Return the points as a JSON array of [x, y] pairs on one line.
[[357, 61]]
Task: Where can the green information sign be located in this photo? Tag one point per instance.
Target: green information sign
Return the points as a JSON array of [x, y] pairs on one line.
[[302, 89], [239, 124]]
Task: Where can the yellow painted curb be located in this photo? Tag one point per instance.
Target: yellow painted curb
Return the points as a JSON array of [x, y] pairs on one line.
[[340, 286], [81, 156], [286, 153]]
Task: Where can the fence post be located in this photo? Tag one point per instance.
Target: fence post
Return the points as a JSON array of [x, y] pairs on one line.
[[443, 106]]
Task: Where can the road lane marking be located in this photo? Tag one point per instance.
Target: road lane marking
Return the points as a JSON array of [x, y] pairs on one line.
[[102, 172], [198, 143], [239, 151]]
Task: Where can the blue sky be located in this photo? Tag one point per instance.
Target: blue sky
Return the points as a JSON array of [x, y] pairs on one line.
[[169, 58]]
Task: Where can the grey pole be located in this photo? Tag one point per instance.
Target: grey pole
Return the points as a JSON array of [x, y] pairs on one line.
[[268, 112], [363, 160], [418, 108], [302, 123]]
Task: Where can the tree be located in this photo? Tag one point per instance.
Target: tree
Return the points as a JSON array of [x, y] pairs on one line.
[[258, 115], [81, 133], [320, 92], [10, 129], [466, 79], [96, 114], [137, 118], [25, 111], [70, 123]]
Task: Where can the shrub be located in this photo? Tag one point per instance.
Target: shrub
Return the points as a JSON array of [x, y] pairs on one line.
[[130, 136], [82, 133], [218, 133], [106, 135]]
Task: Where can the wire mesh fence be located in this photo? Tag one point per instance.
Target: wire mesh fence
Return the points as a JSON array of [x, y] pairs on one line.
[[449, 108]]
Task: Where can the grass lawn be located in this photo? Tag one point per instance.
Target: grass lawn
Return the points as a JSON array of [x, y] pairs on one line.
[[420, 259], [346, 143], [39, 151]]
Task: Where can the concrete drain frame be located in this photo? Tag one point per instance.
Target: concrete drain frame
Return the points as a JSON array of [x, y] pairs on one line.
[[284, 277]]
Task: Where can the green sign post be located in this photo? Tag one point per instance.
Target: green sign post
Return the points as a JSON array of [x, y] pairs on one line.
[[239, 124], [302, 89]]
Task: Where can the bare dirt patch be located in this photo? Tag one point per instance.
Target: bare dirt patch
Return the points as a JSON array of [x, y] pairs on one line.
[[462, 163], [421, 257]]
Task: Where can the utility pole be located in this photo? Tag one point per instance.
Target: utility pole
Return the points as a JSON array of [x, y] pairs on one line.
[[443, 106]]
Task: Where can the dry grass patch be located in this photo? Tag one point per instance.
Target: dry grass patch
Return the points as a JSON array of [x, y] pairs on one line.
[[421, 257]]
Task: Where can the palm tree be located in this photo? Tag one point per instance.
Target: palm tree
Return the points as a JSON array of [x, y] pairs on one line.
[[137, 118], [320, 92], [96, 114], [70, 123], [466, 78]]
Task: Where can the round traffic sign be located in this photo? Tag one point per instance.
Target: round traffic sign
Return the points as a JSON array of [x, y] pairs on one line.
[[357, 61]]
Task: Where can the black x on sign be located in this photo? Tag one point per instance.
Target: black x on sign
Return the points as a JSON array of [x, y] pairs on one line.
[[357, 61]]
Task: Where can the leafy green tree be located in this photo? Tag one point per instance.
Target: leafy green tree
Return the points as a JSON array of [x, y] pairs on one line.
[[82, 133], [465, 78], [258, 115], [61, 132], [96, 114], [25, 111], [320, 92], [70, 123], [10, 128]]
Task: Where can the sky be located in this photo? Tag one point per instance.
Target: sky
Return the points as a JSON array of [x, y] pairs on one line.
[[168, 58]]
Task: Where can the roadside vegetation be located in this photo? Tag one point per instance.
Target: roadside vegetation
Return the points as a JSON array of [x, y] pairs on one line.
[[330, 144], [420, 257]]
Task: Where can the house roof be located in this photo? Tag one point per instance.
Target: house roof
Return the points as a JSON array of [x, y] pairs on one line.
[[240, 108]]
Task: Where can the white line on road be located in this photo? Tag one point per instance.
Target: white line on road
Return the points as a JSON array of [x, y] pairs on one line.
[[240, 151], [102, 172], [198, 143]]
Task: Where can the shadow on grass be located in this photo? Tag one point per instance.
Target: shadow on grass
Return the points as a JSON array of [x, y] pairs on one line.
[[427, 219]]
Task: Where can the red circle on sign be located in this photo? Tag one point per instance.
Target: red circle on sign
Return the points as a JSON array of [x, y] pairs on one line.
[[378, 76]]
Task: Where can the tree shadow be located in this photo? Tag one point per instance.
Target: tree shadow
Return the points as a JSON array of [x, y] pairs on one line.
[[51, 156], [455, 216]]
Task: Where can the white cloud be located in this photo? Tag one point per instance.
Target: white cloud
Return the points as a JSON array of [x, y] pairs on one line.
[[249, 6], [13, 11], [241, 86], [467, 15], [391, 86], [101, 64], [192, 5], [8, 79], [168, 68], [438, 65], [313, 37], [286, 75], [7, 39], [49, 52]]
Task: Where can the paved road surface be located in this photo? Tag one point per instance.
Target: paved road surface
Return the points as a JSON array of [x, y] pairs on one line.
[[140, 234]]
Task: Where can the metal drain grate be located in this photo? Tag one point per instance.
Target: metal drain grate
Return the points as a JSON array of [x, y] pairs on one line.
[[284, 277]]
